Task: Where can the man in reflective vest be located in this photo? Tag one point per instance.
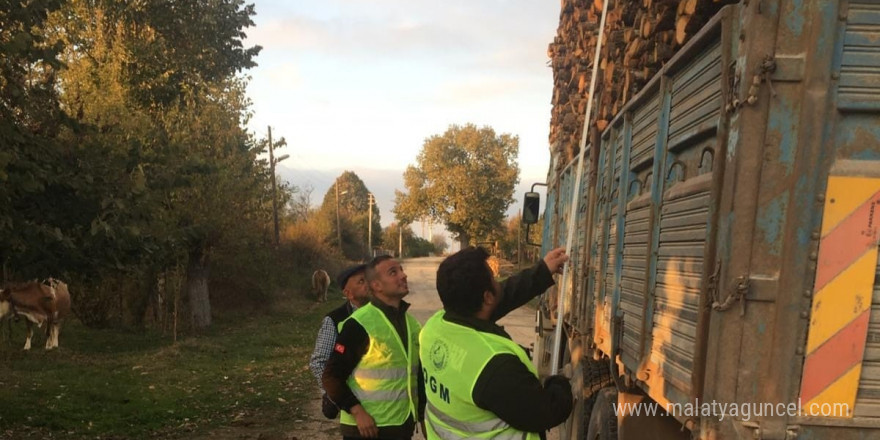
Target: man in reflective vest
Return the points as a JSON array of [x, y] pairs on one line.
[[373, 374], [479, 383]]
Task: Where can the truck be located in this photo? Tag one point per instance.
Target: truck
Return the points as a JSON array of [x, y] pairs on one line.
[[723, 233]]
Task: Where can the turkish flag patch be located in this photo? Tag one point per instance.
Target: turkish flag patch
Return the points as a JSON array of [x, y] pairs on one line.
[[339, 348]]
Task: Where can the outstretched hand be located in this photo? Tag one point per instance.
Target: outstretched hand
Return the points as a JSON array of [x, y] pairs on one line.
[[555, 260]]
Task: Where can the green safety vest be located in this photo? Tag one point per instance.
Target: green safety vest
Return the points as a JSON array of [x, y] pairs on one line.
[[385, 380], [453, 357]]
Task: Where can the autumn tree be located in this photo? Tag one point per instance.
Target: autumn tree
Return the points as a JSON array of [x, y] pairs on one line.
[[354, 216], [463, 178]]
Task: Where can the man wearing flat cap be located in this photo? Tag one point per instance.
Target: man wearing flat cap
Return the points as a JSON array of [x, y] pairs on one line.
[[354, 288]]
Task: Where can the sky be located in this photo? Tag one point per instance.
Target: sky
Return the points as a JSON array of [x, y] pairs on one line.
[[359, 85]]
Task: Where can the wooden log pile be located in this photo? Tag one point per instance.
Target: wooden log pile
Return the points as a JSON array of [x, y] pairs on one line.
[[640, 36]]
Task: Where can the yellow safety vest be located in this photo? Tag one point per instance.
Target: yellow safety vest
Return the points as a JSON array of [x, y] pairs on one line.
[[453, 357], [385, 380]]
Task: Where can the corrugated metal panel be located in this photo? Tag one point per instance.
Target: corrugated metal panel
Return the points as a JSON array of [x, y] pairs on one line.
[[684, 216], [868, 397], [565, 188], [580, 306], [600, 249], [636, 234], [696, 98], [601, 290], [614, 192], [644, 132], [632, 284], [677, 292], [859, 85], [611, 258], [566, 184]]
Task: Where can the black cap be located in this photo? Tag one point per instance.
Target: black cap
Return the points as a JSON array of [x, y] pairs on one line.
[[347, 273]]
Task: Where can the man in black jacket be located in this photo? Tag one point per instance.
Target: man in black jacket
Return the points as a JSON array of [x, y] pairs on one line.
[[482, 385], [354, 287]]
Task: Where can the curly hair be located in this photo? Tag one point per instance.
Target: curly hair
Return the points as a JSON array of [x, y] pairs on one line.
[[462, 278]]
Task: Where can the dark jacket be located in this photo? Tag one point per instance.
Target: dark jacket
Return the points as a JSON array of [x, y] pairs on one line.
[[340, 313], [506, 387], [351, 345]]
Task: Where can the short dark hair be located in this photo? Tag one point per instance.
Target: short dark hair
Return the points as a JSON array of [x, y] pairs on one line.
[[461, 280], [371, 273]]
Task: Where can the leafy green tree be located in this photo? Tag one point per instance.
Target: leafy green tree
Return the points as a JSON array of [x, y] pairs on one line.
[[412, 245], [464, 178], [512, 244], [354, 215], [127, 150], [30, 157]]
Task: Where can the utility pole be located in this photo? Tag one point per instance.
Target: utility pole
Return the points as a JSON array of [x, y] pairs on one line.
[[338, 231], [519, 243], [274, 197], [370, 224], [399, 240]]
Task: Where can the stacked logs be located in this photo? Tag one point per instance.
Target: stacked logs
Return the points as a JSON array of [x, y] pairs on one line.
[[640, 36]]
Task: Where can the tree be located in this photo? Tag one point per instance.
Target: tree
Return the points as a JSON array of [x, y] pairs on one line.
[[30, 157], [396, 239], [464, 178], [127, 150], [354, 202], [300, 205], [413, 246], [513, 245]]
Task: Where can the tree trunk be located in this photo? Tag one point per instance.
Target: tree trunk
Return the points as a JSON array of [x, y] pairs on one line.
[[147, 291], [197, 288], [464, 240]]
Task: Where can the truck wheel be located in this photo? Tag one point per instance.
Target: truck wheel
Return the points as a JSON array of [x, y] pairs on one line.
[[603, 422], [591, 377]]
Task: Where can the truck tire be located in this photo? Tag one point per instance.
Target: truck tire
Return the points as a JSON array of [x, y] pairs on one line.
[[591, 377], [603, 421]]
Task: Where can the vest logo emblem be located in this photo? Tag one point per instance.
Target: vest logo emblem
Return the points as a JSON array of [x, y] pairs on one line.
[[439, 355]]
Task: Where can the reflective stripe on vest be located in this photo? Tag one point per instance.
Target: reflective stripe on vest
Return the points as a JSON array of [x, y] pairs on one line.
[[453, 358], [385, 379], [484, 427]]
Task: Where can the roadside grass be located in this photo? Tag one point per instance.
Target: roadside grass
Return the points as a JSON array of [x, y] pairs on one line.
[[115, 384]]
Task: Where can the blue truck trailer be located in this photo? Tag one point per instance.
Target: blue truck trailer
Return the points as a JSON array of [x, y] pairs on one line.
[[724, 260]]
